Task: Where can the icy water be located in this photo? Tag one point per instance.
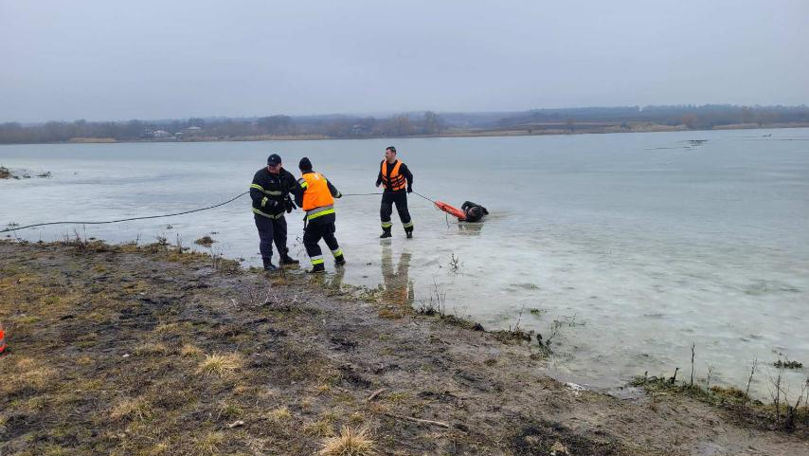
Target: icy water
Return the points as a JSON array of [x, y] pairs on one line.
[[638, 244]]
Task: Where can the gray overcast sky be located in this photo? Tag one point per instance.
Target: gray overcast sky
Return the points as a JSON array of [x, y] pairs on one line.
[[118, 60]]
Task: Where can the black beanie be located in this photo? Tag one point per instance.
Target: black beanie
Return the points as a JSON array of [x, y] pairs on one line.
[[305, 164]]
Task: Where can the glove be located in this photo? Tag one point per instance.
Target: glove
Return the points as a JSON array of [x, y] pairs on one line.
[[289, 205], [409, 189]]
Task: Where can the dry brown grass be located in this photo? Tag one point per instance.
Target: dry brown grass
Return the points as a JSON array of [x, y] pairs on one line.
[[136, 409], [31, 373], [320, 428], [348, 443], [210, 442], [148, 349], [190, 351], [279, 414], [220, 364]]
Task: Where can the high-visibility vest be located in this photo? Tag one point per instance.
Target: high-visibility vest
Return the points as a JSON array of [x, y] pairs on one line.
[[317, 199], [396, 181]]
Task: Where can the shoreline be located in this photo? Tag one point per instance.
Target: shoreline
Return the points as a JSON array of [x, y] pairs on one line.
[[136, 349], [470, 133]]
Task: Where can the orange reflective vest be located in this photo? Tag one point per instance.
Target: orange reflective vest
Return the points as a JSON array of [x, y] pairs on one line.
[[317, 199], [396, 181]]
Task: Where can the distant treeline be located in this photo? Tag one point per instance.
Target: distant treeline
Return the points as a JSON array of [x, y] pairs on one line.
[[691, 117], [408, 124]]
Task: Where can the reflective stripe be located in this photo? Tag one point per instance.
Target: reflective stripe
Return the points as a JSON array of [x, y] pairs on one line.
[[408, 225], [319, 212], [264, 201], [267, 192], [337, 252], [276, 216], [317, 259], [302, 182], [387, 224]]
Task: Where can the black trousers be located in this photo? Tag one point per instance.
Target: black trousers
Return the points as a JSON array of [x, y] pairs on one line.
[[313, 233], [388, 200], [270, 230]]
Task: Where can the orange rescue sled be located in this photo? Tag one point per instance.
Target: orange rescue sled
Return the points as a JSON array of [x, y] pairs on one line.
[[453, 211]]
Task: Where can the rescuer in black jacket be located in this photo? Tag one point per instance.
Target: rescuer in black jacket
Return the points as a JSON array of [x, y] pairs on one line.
[[270, 194], [398, 182]]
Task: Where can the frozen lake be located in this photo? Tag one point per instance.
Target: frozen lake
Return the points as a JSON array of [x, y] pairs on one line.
[[642, 244]]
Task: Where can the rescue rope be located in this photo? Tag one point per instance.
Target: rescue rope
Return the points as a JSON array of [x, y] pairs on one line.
[[174, 214], [127, 219], [428, 199]]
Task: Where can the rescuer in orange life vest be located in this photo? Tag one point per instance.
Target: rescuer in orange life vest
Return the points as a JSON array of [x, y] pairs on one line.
[[315, 195], [396, 179]]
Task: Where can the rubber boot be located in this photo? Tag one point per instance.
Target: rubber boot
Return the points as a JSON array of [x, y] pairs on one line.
[[268, 266], [340, 260], [409, 232], [385, 233], [287, 260], [317, 269]]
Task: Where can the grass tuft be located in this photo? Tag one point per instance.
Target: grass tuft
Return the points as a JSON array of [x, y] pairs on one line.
[[218, 364], [136, 409], [190, 351], [348, 443], [280, 414]]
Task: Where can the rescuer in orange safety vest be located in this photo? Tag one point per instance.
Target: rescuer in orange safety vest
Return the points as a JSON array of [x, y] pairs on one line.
[[398, 182], [315, 195]]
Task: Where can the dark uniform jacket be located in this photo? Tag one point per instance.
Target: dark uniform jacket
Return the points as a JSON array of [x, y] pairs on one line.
[[270, 193], [402, 170], [473, 215]]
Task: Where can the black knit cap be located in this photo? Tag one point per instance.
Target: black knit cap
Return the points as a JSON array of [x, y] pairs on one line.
[[305, 164]]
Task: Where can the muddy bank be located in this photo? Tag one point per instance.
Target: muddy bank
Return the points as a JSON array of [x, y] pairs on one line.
[[125, 350]]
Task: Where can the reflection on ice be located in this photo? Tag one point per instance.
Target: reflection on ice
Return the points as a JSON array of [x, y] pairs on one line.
[[398, 289]]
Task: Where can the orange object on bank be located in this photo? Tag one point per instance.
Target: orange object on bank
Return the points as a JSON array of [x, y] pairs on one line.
[[453, 211], [3, 345]]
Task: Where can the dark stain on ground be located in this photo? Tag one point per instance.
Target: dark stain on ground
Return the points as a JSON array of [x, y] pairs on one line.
[[353, 378], [539, 437], [342, 343], [445, 397]]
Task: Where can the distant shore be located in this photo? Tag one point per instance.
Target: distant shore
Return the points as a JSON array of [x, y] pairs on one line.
[[553, 129]]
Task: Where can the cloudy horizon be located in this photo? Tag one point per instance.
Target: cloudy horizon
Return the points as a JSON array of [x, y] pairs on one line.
[[99, 60]]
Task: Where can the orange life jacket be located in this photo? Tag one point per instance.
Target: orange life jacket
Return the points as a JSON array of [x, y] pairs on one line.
[[396, 181], [317, 199]]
